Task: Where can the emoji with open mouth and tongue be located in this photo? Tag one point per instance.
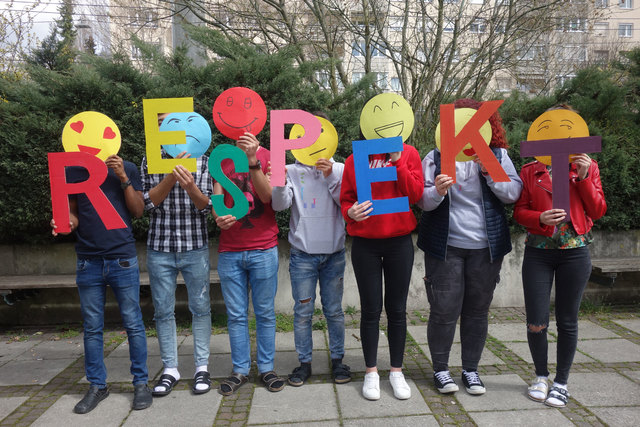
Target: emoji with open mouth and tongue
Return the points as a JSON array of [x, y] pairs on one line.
[[385, 116], [238, 110], [197, 134], [324, 147], [462, 117], [91, 132]]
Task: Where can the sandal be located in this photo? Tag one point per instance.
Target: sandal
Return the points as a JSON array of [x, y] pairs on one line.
[[167, 381], [341, 373], [272, 381], [232, 383], [559, 395], [201, 377], [540, 385]]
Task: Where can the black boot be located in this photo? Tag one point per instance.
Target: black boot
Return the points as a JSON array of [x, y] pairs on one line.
[[91, 399], [141, 397]]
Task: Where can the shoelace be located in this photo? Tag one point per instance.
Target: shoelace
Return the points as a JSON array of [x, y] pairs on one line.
[[472, 377], [444, 377]]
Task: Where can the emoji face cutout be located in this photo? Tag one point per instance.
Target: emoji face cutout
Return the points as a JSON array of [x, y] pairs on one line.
[[238, 110], [93, 133], [557, 124], [324, 147], [385, 116], [197, 130], [462, 117]]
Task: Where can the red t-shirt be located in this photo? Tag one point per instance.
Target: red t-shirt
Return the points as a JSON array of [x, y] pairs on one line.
[[258, 228]]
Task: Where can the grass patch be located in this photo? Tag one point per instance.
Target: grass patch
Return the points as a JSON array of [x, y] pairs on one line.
[[320, 325], [351, 310], [67, 332], [284, 322], [594, 307]]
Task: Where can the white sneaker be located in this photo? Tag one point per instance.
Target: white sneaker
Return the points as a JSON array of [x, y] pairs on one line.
[[400, 387], [371, 386]]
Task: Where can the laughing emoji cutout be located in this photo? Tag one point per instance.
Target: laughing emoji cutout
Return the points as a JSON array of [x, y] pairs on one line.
[[557, 124], [385, 116], [197, 134], [324, 147], [91, 132], [238, 110], [462, 117]]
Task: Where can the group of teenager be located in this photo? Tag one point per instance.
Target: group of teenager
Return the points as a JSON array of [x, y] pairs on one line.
[[463, 233]]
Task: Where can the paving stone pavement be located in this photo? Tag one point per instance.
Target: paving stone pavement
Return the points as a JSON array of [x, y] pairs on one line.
[[42, 378]]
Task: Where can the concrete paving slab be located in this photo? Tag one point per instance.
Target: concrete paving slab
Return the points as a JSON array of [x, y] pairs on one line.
[[285, 361], [508, 331], [352, 339], [31, 372], [219, 366], [611, 351], [587, 330], [455, 356], [118, 369], [617, 416], [354, 406], [48, 350], [335, 423], [419, 420], [521, 418], [355, 359], [285, 341], [631, 324], [419, 333], [504, 393], [9, 404], [179, 408], [153, 348], [110, 412], [634, 375], [603, 389], [522, 350], [318, 401], [217, 344], [12, 349]]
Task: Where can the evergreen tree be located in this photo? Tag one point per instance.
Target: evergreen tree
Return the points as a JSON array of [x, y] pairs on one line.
[[56, 51]]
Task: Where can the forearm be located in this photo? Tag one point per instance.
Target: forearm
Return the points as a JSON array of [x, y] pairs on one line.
[[160, 192], [134, 201], [199, 200], [261, 185]]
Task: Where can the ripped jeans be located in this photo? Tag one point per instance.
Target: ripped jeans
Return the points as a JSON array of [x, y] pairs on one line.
[[163, 270], [305, 271], [571, 269]]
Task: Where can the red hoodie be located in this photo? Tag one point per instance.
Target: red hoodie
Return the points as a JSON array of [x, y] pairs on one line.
[[410, 183]]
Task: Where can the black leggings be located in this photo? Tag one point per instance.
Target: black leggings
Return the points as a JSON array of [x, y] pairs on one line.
[[571, 268], [370, 257]]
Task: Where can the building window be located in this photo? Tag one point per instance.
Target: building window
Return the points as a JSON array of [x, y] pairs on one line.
[[574, 53], [600, 29], [449, 26], [477, 2], [381, 80], [396, 23], [323, 79], [503, 84], [358, 48], [356, 76], [561, 80], [572, 25], [473, 54], [625, 30], [601, 4], [601, 56], [395, 84], [626, 4], [478, 26], [135, 52]]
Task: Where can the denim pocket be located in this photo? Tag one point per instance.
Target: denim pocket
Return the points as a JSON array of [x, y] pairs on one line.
[[81, 265], [127, 263]]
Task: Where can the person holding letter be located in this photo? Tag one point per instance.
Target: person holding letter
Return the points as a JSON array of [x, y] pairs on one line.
[[556, 250], [382, 244], [464, 235]]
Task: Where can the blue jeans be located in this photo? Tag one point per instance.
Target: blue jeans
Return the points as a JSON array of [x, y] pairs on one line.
[[92, 277], [238, 271], [163, 270], [305, 271]]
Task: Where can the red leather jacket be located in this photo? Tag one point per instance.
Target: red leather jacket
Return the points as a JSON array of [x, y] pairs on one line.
[[586, 198]]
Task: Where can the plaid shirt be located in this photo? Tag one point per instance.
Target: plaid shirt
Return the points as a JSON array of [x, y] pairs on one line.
[[176, 225]]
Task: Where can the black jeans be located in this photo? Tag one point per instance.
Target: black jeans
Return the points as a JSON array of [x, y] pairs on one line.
[[571, 268], [370, 258], [461, 286]]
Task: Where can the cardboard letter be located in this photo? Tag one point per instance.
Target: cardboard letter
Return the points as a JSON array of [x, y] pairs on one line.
[[452, 144], [60, 189], [155, 139], [365, 176], [312, 129], [240, 203]]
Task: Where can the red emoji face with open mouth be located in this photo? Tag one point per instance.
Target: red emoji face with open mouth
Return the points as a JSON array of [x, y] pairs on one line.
[[93, 133], [238, 110]]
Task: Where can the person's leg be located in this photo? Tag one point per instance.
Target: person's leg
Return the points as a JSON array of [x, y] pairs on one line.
[[331, 291], [194, 266], [445, 290], [163, 271], [92, 292], [303, 270], [480, 279], [235, 291], [572, 276], [263, 277]]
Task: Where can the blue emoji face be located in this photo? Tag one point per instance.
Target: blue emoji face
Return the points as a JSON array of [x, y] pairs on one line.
[[197, 130]]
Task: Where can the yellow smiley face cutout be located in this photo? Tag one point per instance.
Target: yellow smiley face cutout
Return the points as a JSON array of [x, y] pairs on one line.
[[324, 147], [557, 124], [462, 117], [385, 116], [91, 132]]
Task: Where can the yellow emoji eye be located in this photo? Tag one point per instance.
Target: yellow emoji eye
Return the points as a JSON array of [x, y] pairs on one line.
[[374, 108], [543, 127], [394, 103]]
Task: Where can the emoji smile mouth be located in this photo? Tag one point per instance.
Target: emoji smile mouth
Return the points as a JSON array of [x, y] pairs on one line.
[[247, 126], [316, 152], [392, 129], [91, 150], [469, 152]]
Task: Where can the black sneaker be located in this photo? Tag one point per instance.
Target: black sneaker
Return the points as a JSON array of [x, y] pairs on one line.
[[444, 383], [300, 374], [142, 398], [91, 399], [473, 383], [341, 373]]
